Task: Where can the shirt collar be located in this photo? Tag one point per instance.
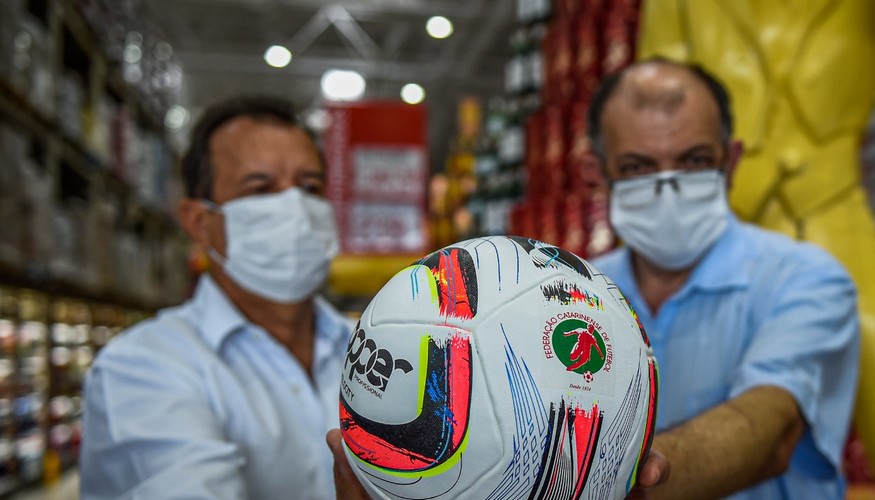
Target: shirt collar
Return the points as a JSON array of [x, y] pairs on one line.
[[330, 324], [219, 316], [722, 267]]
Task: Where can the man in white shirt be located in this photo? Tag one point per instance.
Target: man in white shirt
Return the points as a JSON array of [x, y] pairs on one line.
[[230, 394]]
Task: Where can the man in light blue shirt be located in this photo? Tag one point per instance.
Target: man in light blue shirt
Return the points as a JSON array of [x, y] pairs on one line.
[[756, 335], [231, 394]]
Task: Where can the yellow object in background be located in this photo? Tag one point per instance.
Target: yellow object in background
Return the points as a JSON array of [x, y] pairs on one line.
[[802, 78], [51, 467], [364, 275]]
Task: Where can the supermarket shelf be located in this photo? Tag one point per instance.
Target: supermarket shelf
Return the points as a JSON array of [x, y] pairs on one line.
[[74, 153], [87, 187], [40, 279], [21, 110]]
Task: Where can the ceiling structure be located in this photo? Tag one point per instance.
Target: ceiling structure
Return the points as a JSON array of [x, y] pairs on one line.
[[220, 45]]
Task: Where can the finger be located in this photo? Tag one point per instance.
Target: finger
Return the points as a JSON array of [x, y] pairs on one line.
[[346, 483], [333, 438], [656, 470]]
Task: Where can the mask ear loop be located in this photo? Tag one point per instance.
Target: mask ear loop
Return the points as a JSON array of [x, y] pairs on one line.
[[212, 206], [212, 252], [217, 257]]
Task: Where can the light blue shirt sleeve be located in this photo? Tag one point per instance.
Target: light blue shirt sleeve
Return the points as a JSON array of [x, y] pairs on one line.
[[151, 432], [807, 342]]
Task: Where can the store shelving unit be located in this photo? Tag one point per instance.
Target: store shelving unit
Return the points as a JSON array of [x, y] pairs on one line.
[[87, 189], [535, 174]]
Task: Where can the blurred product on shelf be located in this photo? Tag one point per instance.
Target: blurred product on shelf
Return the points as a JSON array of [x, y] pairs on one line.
[[8, 361], [532, 11], [70, 356]]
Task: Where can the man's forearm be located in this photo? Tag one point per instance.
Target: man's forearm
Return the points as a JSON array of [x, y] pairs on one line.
[[732, 446]]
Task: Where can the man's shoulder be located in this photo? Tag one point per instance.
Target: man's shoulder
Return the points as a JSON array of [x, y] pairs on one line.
[[170, 335], [334, 324], [610, 262], [770, 248]]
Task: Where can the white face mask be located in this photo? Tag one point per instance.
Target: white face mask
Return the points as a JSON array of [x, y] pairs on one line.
[[279, 246], [670, 218]]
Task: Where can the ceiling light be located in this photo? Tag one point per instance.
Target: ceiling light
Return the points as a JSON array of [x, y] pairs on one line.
[[341, 85], [176, 117], [439, 27], [277, 56], [412, 93]]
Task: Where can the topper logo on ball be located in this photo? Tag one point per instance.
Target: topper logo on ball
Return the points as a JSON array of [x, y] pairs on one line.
[[377, 365]]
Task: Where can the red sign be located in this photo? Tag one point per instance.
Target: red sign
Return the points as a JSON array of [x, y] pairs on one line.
[[377, 169]]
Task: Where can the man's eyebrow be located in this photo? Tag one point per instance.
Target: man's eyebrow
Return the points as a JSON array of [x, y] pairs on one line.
[[635, 156]]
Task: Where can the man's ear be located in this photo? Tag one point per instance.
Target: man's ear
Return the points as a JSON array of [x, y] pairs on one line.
[[733, 157], [194, 218], [594, 171]]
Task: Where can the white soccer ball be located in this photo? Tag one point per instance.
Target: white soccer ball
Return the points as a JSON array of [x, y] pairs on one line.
[[498, 368]]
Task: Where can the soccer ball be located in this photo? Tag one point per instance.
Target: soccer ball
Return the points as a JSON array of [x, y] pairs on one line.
[[498, 368]]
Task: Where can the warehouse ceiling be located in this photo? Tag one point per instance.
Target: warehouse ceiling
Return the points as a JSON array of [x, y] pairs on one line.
[[220, 46]]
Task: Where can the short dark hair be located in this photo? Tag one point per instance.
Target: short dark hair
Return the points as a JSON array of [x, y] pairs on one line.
[[197, 169], [610, 83]]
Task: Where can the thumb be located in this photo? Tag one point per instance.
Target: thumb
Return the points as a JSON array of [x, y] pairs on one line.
[[345, 482], [333, 438]]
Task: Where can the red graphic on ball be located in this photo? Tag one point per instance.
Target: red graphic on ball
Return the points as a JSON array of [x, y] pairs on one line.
[[581, 351]]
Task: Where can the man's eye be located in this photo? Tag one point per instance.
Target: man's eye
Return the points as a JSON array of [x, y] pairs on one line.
[[313, 188], [699, 162], [634, 169]]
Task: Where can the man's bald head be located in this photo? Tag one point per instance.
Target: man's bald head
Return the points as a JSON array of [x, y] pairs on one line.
[[655, 84]]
